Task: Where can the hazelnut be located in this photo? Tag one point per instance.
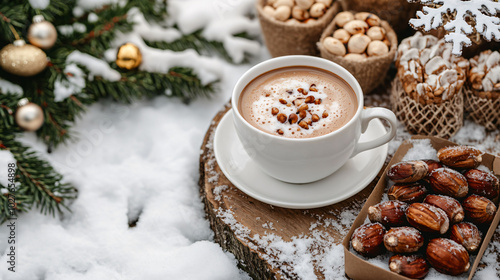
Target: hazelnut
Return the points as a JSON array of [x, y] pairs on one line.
[[317, 10], [413, 266], [309, 20], [313, 88], [448, 182], [407, 171], [447, 256], [301, 90], [299, 14], [467, 235], [361, 16], [369, 18], [358, 43], [342, 18], [317, 101], [334, 46], [403, 240], [304, 124], [282, 101], [269, 11], [292, 21], [297, 102], [315, 118], [274, 111], [304, 4], [324, 115], [356, 27], [280, 131], [376, 33], [449, 205], [309, 99], [303, 107], [282, 13], [302, 114], [408, 193], [479, 209], [342, 35], [293, 118], [482, 183], [327, 3], [354, 57], [388, 213], [368, 239], [376, 48], [281, 118], [427, 218], [460, 156], [279, 3]]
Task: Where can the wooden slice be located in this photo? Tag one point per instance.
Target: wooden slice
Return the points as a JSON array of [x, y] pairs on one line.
[[272, 242]]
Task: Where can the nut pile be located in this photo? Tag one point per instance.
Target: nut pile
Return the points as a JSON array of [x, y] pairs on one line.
[[357, 36], [297, 11], [434, 216], [484, 75], [428, 71], [304, 112]]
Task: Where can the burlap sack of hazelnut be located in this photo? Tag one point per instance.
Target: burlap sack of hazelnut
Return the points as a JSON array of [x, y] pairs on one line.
[[427, 92], [482, 95], [361, 43], [292, 27]]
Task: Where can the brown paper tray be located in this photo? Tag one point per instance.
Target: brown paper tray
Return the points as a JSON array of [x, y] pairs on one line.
[[358, 268]]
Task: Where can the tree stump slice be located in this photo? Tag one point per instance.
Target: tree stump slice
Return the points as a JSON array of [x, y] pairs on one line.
[[253, 230]]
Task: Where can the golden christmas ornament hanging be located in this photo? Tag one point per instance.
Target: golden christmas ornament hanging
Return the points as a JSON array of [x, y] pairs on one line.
[[29, 116], [42, 33], [128, 56], [22, 60]]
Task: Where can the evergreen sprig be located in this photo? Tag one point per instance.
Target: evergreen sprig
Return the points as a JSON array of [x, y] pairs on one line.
[[39, 184]]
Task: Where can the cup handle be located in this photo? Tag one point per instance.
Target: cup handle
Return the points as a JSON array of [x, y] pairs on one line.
[[366, 116]]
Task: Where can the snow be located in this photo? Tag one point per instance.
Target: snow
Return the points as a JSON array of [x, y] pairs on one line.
[[39, 4], [138, 164], [74, 83], [95, 66], [8, 87], [484, 13], [6, 157]]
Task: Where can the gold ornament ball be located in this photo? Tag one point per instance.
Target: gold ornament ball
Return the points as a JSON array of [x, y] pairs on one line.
[[42, 33], [29, 116], [22, 60], [128, 56]]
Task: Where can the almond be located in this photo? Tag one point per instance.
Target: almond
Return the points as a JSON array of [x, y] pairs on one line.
[[449, 182], [413, 266], [482, 183], [449, 205], [447, 256], [467, 235], [368, 239], [460, 156], [409, 193], [427, 218], [403, 240], [479, 209], [407, 171], [389, 213]]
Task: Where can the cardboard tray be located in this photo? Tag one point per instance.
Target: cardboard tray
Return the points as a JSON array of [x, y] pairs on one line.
[[358, 268]]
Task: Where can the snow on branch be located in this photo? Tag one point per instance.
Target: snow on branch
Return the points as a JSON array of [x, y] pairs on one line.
[[466, 17]]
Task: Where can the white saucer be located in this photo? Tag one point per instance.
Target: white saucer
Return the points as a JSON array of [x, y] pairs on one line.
[[350, 179]]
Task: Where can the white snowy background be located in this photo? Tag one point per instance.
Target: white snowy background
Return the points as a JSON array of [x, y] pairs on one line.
[[140, 161]]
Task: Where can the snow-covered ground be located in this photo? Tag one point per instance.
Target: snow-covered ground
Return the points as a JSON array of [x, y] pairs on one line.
[[140, 161]]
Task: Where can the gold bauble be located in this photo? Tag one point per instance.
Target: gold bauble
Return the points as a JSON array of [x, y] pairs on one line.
[[42, 33], [29, 116], [128, 56], [23, 60]]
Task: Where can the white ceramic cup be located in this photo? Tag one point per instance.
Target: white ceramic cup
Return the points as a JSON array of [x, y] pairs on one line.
[[304, 160]]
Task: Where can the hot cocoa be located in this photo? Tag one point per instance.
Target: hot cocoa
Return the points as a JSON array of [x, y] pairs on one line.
[[298, 102]]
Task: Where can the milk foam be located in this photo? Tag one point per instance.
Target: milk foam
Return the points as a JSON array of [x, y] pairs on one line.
[[265, 92]]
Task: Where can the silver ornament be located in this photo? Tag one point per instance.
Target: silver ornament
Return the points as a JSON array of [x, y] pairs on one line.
[[29, 116], [42, 33]]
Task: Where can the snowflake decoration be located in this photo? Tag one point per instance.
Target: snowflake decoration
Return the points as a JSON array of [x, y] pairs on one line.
[[483, 14]]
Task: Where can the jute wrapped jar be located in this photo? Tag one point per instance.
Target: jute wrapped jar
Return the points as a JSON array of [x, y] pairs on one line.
[[482, 99], [371, 71], [295, 38]]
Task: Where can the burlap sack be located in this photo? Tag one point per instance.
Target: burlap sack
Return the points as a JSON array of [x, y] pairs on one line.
[[442, 120], [370, 72], [484, 111], [293, 38], [397, 12]]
